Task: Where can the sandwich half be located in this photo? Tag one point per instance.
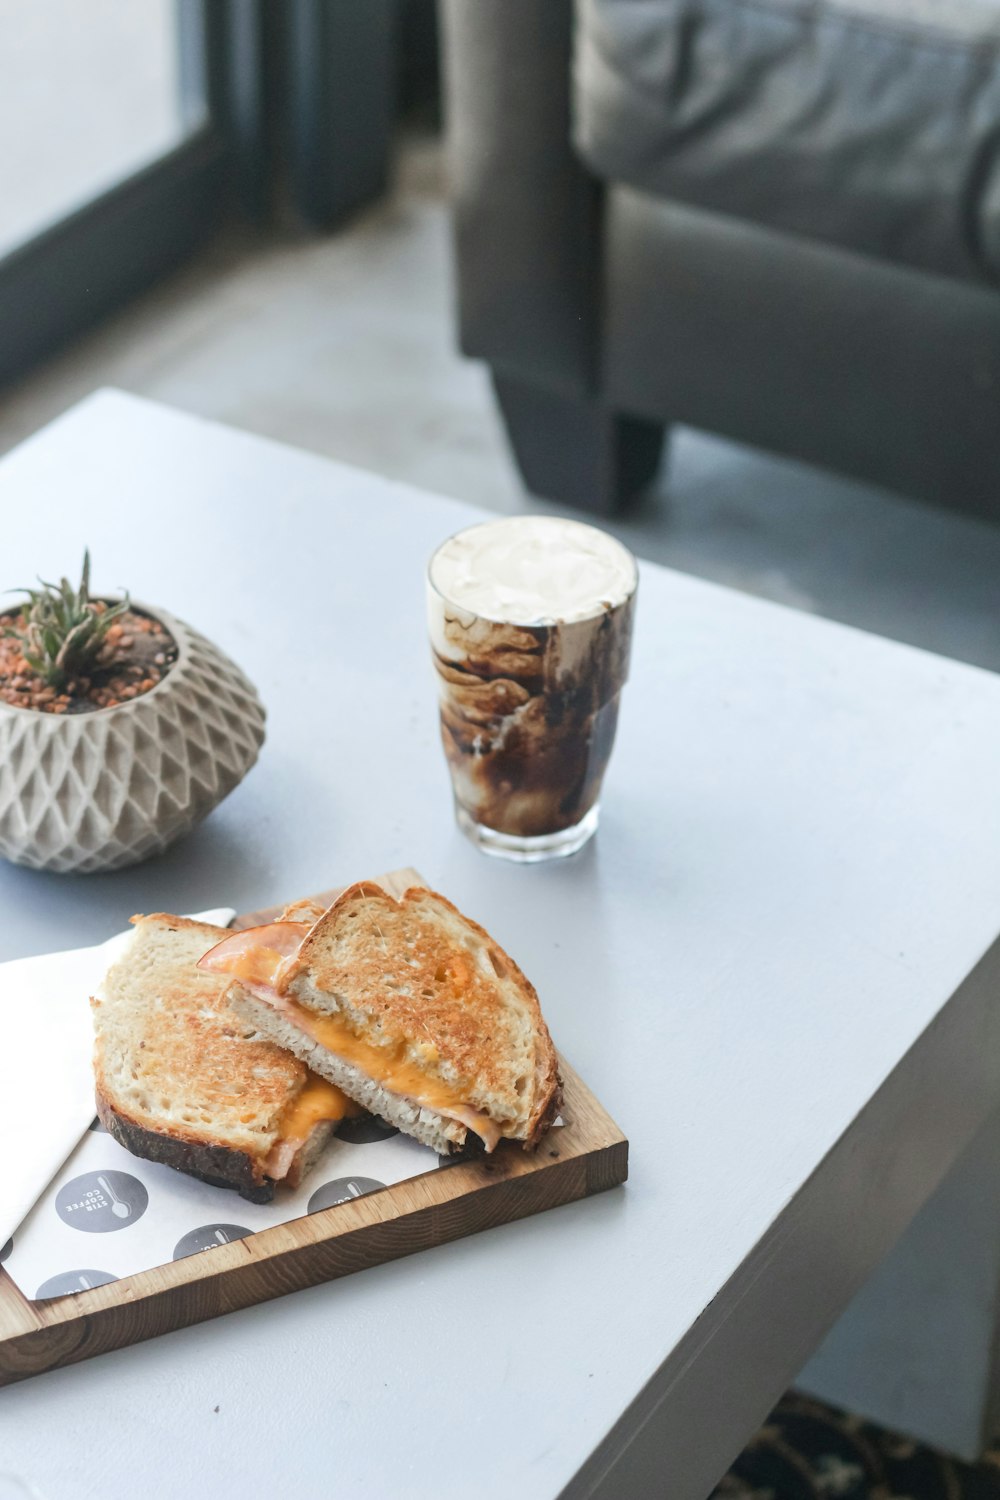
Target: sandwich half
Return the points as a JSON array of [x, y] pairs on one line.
[[407, 1006], [182, 1079]]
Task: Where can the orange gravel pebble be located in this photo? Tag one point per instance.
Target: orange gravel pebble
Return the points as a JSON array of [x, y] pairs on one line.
[[136, 655]]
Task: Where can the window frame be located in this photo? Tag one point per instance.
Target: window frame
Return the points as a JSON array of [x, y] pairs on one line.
[[75, 272], [298, 98]]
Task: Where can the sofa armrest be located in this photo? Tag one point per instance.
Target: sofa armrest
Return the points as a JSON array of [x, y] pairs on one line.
[[527, 228]]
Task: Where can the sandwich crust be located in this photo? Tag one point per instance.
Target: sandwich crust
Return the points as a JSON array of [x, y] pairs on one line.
[[218, 1165]]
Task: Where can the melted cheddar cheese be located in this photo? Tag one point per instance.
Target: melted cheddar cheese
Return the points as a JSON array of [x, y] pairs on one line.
[[318, 1101], [256, 957], [389, 1067]]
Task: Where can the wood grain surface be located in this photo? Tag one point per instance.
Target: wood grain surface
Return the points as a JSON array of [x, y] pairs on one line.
[[585, 1156]]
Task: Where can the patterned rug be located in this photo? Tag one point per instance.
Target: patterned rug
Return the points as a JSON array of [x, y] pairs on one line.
[[807, 1451]]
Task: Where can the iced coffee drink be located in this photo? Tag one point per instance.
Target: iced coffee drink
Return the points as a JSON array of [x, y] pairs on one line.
[[531, 624]]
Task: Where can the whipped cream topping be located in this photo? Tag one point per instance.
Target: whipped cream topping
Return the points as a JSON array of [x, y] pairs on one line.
[[533, 570]]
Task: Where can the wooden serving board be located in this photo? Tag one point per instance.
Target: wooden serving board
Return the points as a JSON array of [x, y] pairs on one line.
[[587, 1155]]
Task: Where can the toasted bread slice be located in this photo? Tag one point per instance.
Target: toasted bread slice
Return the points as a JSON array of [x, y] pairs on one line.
[[412, 1010], [180, 1079]]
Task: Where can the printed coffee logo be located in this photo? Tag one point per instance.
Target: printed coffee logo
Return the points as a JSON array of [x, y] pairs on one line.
[[73, 1281], [6, 1251], [363, 1129], [342, 1190], [101, 1201], [207, 1237]]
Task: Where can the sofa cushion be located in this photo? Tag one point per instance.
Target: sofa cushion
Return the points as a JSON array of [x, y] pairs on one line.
[[869, 124]]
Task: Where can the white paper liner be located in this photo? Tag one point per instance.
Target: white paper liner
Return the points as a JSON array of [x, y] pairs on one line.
[[44, 1014], [109, 1214]]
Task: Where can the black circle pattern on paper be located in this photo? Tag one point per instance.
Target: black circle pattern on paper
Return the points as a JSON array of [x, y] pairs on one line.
[[99, 1202], [73, 1281], [361, 1130], [342, 1190], [207, 1237], [6, 1250]]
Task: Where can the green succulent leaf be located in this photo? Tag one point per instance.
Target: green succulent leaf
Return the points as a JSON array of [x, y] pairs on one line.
[[64, 629]]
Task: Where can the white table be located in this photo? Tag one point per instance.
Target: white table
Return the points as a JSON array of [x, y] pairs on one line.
[[776, 966]]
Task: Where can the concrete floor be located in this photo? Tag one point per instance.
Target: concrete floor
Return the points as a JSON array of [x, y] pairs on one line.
[[345, 345]]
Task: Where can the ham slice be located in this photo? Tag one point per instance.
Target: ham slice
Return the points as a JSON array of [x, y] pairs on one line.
[[257, 954], [280, 1158]]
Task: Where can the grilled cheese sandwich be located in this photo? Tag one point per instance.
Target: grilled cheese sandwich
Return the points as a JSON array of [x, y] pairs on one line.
[[179, 1080], [407, 1002]]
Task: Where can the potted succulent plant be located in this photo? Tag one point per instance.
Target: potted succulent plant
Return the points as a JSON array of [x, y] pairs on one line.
[[120, 728]]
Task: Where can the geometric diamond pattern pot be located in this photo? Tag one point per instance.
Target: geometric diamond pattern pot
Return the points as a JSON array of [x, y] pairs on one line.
[[101, 790]]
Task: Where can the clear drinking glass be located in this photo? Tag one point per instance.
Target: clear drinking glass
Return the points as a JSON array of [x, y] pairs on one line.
[[530, 621]]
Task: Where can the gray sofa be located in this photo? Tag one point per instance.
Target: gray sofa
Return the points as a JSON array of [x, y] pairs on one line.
[[774, 219]]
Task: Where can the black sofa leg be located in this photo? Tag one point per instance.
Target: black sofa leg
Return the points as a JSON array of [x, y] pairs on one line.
[[577, 451]]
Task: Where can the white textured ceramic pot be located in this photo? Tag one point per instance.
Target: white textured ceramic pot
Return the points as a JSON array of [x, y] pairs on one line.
[[101, 790]]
